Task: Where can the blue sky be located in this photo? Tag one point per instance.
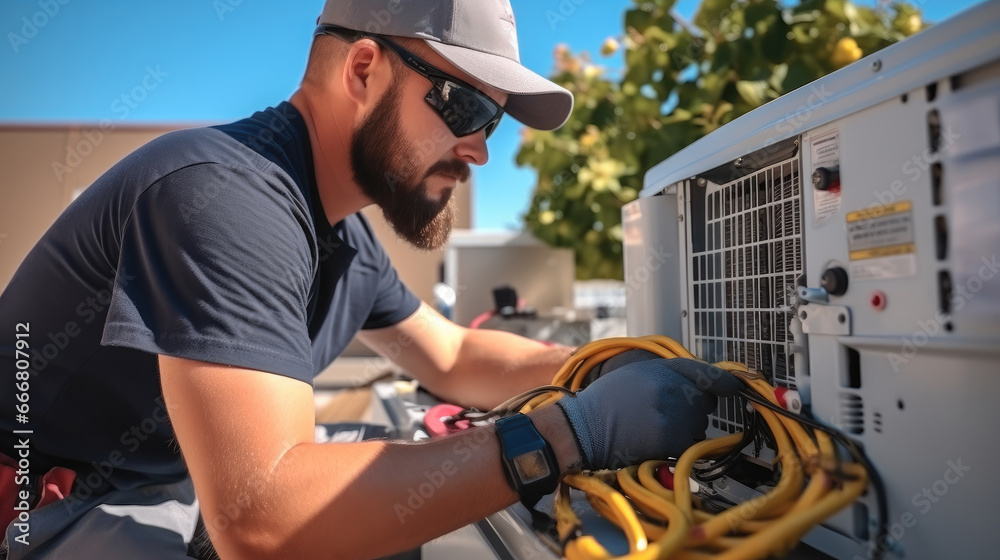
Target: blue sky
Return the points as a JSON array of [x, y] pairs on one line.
[[214, 61]]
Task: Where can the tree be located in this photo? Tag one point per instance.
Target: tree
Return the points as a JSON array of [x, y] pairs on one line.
[[681, 80]]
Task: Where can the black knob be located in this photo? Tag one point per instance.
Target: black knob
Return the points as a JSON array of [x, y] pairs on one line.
[[834, 281], [826, 177]]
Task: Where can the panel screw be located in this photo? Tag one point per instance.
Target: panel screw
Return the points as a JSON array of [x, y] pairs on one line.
[[876, 65], [702, 182], [834, 281], [684, 312]]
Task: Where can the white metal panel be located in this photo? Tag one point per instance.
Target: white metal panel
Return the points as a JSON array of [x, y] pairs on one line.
[[902, 365], [956, 45]]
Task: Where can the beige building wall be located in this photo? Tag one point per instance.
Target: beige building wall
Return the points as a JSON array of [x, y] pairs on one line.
[[43, 168]]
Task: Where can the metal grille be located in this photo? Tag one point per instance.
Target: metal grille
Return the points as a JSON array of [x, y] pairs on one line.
[[744, 280]]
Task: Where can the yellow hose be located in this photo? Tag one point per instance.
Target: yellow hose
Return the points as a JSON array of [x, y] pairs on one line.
[[661, 524]]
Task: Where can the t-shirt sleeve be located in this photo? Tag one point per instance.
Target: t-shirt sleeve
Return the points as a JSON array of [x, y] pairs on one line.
[[393, 300], [216, 265]]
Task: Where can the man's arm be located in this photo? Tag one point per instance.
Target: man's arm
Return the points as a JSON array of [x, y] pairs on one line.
[[472, 367], [268, 491]]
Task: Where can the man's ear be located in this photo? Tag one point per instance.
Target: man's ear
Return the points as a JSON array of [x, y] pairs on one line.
[[364, 61]]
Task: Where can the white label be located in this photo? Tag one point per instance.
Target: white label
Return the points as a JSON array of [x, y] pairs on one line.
[[826, 153], [881, 241], [898, 266]]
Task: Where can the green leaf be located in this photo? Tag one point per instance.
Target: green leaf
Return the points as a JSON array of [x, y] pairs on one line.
[[798, 75], [758, 12], [710, 13], [723, 57], [741, 56], [777, 79], [775, 44], [639, 19], [753, 92]]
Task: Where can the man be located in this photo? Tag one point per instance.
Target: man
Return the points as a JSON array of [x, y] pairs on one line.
[[191, 294]]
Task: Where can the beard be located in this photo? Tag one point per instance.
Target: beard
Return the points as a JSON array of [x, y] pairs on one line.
[[387, 169]]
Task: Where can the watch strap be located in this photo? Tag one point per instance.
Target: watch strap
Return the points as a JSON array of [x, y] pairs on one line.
[[528, 459]]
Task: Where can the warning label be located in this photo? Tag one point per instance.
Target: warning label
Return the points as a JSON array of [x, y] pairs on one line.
[[881, 242]]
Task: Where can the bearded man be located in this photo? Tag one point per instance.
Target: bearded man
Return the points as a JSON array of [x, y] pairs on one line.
[[204, 280]]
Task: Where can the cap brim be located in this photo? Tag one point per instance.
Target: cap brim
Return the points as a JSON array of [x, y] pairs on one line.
[[533, 100]]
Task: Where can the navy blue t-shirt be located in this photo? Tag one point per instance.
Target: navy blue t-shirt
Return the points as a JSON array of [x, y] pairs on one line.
[[208, 244]]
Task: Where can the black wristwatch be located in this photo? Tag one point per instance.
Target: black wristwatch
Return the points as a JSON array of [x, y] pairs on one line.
[[528, 459]]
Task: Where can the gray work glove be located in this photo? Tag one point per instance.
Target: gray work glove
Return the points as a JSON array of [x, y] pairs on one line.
[[616, 362], [647, 409]]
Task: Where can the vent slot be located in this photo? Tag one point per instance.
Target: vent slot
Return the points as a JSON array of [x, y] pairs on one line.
[[937, 175], [877, 422], [940, 238], [853, 369], [852, 414], [931, 92], [934, 130], [744, 275], [945, 291]]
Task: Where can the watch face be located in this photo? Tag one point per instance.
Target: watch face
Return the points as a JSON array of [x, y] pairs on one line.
[[531, 466]]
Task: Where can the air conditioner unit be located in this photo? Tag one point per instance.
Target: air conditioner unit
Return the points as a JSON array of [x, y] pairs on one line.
[[844, 240]]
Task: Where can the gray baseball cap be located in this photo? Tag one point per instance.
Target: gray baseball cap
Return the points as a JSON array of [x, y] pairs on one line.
[[477, 36]]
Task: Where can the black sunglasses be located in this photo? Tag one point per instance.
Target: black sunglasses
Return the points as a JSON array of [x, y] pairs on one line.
[[465, 109]]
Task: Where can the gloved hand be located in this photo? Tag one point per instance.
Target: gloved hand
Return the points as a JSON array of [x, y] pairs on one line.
[[649, 409], [616, 362]]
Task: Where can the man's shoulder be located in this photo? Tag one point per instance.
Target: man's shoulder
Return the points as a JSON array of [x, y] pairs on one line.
[[200, 168], [197, 158], [182, 148]]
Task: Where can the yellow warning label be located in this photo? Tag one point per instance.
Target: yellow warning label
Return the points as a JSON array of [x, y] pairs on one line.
[[880, 241], [879, 211], [884, 251]]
